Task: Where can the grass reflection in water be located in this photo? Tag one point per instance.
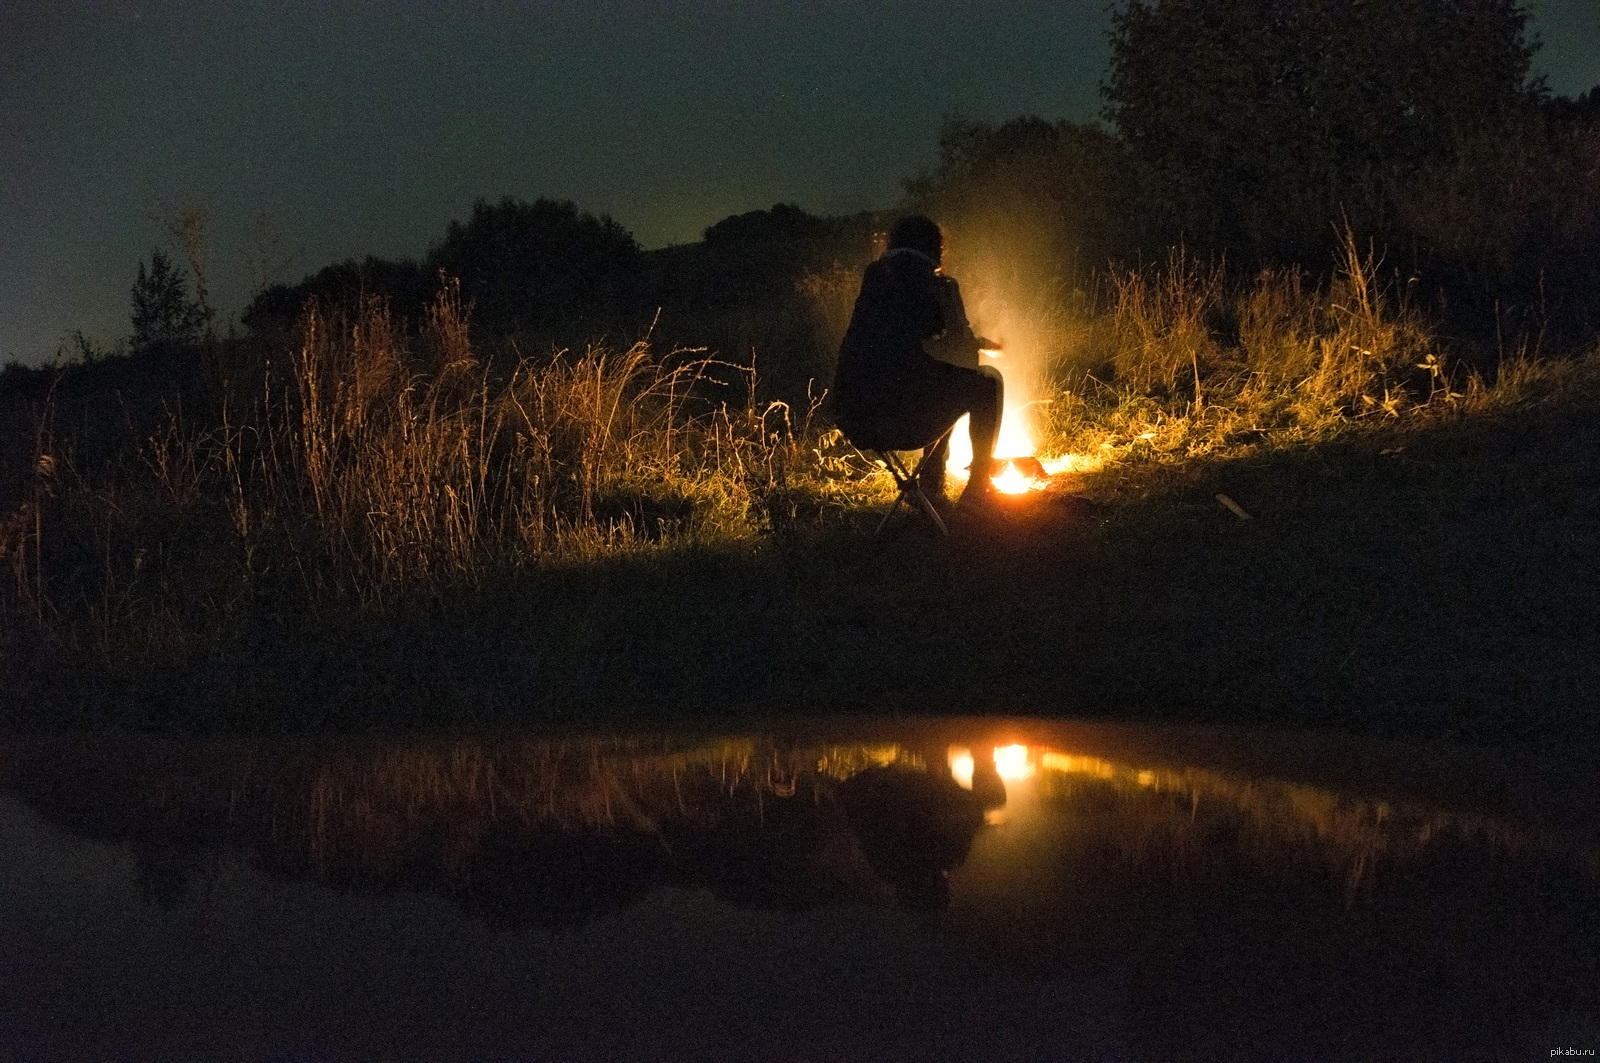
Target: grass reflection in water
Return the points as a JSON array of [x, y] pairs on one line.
[[446, 815], [540, 831], [1191, 899]]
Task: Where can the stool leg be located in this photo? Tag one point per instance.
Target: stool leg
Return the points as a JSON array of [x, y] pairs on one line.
[[909, 489], [918, 494], [912, 491], [897, 472]]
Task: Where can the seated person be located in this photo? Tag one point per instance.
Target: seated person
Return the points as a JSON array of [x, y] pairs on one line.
[[890, 392]]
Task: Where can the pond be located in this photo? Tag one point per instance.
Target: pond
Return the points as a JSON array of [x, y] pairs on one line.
[[897, 889]]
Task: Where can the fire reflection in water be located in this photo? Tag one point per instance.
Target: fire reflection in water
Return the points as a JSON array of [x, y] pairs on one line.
[[961, 766], [987, 779], [762, 822], [1220, 906], [1011, 763]]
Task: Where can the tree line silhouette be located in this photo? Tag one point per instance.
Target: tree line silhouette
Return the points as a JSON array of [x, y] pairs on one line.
[[1253, 132]]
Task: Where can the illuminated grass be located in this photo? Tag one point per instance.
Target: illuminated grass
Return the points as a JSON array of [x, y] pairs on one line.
[[363, 470], [379, 531]]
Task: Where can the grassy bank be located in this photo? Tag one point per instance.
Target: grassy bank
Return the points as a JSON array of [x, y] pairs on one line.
[[381, 532]]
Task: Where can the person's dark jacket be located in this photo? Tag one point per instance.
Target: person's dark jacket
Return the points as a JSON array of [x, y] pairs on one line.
[[884, 364]]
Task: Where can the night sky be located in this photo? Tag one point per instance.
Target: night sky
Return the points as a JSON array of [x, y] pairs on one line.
[[366, 127]]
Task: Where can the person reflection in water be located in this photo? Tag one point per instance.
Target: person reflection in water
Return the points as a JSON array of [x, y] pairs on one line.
[[913, 826], [909, 364]]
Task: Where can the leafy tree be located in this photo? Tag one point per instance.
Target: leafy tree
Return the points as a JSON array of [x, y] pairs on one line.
[[164, 314], [759, 290], [1066, 182], [1584, 109], [784, 225], [405, 285], [540, 265], [755, 258], [1257, 120]]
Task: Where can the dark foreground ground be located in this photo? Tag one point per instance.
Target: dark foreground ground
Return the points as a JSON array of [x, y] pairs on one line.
[[1440, 584]]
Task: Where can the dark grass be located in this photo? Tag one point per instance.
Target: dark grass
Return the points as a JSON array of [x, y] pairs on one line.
[[1438, 583]]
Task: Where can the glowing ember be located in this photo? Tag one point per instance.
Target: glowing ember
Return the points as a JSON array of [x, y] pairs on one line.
[[1019, 475]]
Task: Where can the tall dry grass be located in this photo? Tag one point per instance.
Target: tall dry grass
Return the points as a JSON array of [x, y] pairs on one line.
[[1160, 323], [1187, 361], [412, 474], [362, 468]]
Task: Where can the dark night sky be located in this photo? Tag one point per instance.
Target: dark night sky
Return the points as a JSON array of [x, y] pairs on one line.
[[366, 127]]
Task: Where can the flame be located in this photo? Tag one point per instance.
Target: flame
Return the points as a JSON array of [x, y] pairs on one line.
[[1073, 463], [995, 313], [1015, 441], [1012, 481], [1011, 762]]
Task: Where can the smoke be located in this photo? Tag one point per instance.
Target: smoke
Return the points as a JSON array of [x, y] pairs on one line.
[[1020, 293]]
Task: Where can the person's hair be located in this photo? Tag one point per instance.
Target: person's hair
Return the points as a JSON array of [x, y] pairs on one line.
[[920, 233]]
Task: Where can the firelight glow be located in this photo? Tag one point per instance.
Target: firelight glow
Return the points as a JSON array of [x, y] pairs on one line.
[[1073, 463], [1012, 481], [1015, 442], [1000, 270], [961, 765], [1012, 762]]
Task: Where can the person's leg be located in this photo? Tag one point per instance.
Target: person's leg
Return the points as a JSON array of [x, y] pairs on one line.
[[936, 402], [985, 402]]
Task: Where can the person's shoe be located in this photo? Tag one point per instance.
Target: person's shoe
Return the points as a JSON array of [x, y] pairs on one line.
[[980, 490]]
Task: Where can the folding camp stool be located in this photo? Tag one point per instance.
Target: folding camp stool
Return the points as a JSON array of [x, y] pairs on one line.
[[907, 481]]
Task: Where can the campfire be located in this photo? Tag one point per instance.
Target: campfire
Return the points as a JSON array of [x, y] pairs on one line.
[[1018, 475], [1018, 470]]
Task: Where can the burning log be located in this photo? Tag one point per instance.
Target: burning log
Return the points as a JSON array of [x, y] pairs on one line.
[[1017, 475]]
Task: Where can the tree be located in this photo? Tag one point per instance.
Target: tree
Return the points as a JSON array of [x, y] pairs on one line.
[[756, 258], [1584, 109], [164, 314], [405, 285], [540, 265], [1063, 182], [1257, 120]]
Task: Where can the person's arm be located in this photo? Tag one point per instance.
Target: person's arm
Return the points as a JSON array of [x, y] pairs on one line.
[[957, 344]]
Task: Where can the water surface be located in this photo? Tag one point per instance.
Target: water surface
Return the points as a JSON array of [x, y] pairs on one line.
[[832, 890]]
